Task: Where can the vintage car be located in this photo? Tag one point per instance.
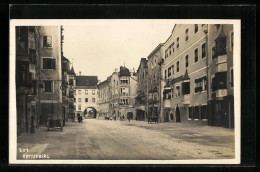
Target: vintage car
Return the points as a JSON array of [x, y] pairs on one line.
[[107, 117], [153, 119]]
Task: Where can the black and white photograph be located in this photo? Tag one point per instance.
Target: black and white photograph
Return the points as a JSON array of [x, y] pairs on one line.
[[125, 91]]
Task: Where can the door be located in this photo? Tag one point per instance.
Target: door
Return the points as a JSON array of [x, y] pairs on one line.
[[178, 115], [130, 115], [166, 117]]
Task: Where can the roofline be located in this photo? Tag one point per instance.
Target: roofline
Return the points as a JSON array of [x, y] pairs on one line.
[[171, 33], [158, 46]]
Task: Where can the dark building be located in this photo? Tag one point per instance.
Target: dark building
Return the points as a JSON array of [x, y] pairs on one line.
[[142, 90], [27, 77], [221, 80]]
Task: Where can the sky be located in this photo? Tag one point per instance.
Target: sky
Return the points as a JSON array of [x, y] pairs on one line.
[[97, 47]]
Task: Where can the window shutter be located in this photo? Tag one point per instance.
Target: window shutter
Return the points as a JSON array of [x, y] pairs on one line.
[[53, 63]]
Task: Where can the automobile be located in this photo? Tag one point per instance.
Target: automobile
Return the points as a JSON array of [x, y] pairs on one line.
[[107, 117]]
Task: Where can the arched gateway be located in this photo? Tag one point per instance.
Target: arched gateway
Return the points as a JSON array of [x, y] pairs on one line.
[[90, 112]]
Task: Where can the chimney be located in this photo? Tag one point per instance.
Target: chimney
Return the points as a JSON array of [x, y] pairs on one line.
[[79, 73]]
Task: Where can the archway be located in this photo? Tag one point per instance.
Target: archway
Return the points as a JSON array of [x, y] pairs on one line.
[[90, 112], [171, 116]]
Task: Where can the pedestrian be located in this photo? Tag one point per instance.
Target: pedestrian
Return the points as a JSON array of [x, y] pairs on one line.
[[128, 117], [115, 117]]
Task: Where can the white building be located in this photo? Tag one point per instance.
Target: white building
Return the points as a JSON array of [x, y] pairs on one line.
[[86, 95]]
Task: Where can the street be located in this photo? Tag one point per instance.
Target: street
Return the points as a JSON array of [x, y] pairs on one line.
[[135, 140]]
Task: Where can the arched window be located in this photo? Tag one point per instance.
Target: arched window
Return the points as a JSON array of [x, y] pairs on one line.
[[171, 116]]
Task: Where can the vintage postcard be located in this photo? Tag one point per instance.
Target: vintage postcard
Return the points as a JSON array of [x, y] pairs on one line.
[[132, 91]]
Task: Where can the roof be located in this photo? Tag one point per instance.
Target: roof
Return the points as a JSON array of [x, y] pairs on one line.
[[86, 80], [64, 59], [158, 46], [186, 75], [124, 71], [144, 62]]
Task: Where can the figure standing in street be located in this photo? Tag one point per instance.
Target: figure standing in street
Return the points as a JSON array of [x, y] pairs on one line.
[[115, 117], [178, 115]]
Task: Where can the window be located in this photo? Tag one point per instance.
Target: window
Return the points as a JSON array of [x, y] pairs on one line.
[[86, 92], [177, 93], [48, 86], [213, 52], [187, 34], [232, 40], [219, 81], [200, 84], [177, 66], [178, 42], [79, 92], [124, 81], [196, 28], [49, 63], [93, 92], [165, 74], [93, 100], [202, 25], [79, 99], [79, 107], [185, 88], [220, 46], [203, 47], [169, 71], [187, 61], [47, 41], [172, 47], [172, 69], [195, 55], [74, 99]]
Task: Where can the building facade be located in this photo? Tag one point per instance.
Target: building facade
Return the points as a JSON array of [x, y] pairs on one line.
[[221, 82], [104, 97], [86, 96], [50, 73], [68, 85], [142, 91], [27, 78], [185, 90], [154, 82], [71, 87], [123, 93]]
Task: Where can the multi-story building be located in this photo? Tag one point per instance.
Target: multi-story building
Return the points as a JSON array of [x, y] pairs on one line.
[[142, 90], [185, 74], [154, 81], [104, 96], [86, 95], [68, 84], [221, 82], [27, 77], [50, 93], [71, 87], [123, 93]]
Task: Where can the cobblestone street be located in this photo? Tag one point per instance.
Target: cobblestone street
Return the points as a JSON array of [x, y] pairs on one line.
[[135, 140]]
